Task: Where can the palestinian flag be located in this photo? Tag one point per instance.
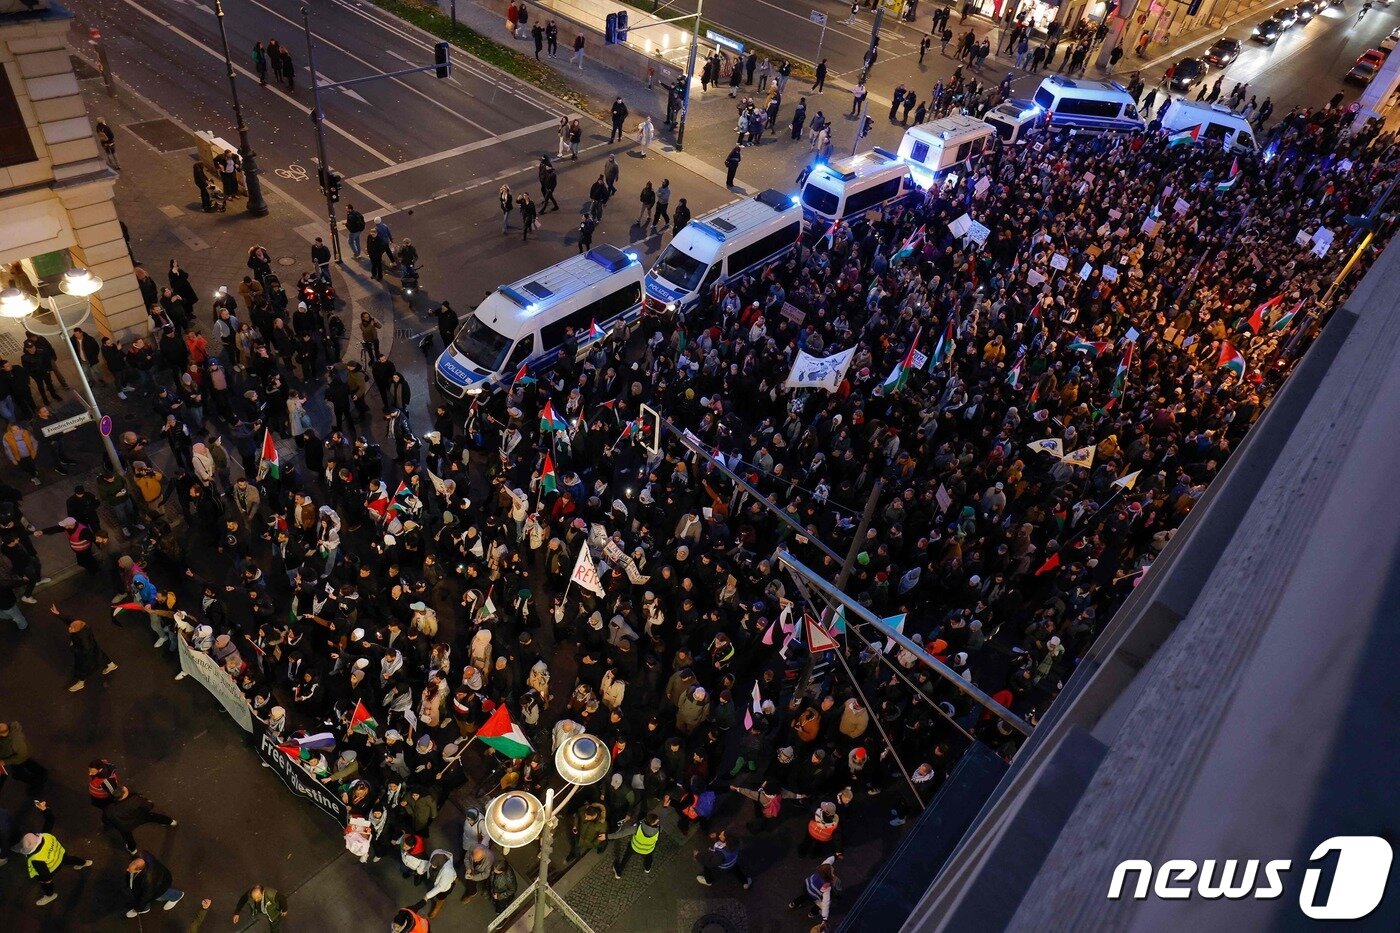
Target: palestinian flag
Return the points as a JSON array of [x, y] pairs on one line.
[[1229, 182], [911, 244], [549, 480], [594, 331], [943, 350], [401, 497], [1013, 378], [899, 376], [1188, 135], [1096, 347], [522, 375], [1120, 378], [1256, 320], [1231, 360], [362, 721], [550, 420], [1050, 564], [504, 736], [269, 464], [1287, 319]]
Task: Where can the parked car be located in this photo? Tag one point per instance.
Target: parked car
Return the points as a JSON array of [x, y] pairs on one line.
[[1187, 72], [1307, 10], [1223, 52], [1267, 32], [1286, 17], [1389, 42], [1364, 71]]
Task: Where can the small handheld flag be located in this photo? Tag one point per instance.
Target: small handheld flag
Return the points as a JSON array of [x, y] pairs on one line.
[[1231, 360], [269, 464], [504, 736], [550, 420]]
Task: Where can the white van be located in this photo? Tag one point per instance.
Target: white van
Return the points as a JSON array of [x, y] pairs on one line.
[[932, 150], [1089, 106], [721, 245], [1217, 122], [525, 321], [847, 188], [1015, 119]]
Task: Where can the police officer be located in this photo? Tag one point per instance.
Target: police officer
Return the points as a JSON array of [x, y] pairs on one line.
[[643, 842], [45, 855]]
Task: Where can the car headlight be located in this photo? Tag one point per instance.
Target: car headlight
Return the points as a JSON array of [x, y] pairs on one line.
[[474, 389], [671, 306]]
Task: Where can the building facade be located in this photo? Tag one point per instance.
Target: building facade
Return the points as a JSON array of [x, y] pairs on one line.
[[56, 188]]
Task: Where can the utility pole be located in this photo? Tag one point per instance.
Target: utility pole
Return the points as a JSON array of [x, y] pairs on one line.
[[319, 118], [689, 76], [256, 205], [865, 73]]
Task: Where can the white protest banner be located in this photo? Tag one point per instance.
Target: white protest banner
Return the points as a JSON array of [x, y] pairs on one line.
[[981, 187], [586, 574], [216, 680], [1110, 274], [1149, 226], [1034, 278], [299, 780], [1059, 261], [977, 233], [1181, 206], [796, 315], [1085, 271], [959, 227], [1303, 238], [819, 372]]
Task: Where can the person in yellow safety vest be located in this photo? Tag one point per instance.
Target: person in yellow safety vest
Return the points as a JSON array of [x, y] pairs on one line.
[[408, 921], [821, 830], [81, 539], [644, 836], [45, 855]]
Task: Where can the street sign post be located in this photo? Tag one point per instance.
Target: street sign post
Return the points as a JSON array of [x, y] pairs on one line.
[[818, 17]]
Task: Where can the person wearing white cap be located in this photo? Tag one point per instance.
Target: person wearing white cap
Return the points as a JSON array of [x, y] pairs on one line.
[[44, 855]]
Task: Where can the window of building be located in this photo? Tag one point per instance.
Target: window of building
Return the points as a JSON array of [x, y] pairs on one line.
[[15, 145]]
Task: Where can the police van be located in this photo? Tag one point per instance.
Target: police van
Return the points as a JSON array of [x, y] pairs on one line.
[[933, 150], [1015, 119], [1212, 122], [847, 188], [525, 321], [1089, 106], [720, 245]]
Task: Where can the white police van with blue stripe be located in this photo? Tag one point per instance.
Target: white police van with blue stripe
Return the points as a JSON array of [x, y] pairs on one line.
[[1088, 106], [525, 321], [720, 245]]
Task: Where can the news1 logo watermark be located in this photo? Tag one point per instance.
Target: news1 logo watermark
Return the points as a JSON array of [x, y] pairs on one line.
[[1344, 879]]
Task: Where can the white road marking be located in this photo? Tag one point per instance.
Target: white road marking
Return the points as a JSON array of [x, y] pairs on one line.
[[248, 74], [347, 91], [452, 153]]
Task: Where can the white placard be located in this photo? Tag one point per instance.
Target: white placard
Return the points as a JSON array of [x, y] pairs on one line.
[[1110, 274], [959, 227], [1114, 213], [981, 187], [1149, 226], [1181, 206], [818, 17], [1085, 271], [1059, 261], [1303, 238], [1034, 278], [977, 233]]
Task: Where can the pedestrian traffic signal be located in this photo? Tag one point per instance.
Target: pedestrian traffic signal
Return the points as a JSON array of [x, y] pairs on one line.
[[334, 192], [442, 60], [866, 127]]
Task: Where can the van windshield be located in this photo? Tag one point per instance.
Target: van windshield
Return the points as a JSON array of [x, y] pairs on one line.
[[821, 200], [482, 344], [680, 269]]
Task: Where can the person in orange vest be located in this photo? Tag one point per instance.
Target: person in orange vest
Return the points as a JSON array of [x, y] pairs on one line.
[[408, 921], [821, 831], [82, 539]]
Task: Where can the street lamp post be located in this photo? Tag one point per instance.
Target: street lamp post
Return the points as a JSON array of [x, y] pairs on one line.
[[256, 205], [318, 117], [690, 75], [518, 818], [80, 283]]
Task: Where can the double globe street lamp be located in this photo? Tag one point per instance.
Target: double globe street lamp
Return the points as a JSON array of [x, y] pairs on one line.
[[518, 818], [79, 283]]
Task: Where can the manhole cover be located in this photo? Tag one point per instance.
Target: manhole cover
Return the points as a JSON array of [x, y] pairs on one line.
[[9, 346], [82, 69], [713, 923], [162, 135], [286, 261]]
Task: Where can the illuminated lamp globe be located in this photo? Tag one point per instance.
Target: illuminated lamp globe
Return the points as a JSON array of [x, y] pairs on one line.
[[16, 304], [582, 759], [80, 283], [515, 819]]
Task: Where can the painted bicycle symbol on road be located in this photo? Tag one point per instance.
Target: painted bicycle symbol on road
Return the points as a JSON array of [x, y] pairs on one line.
[[293, 172]]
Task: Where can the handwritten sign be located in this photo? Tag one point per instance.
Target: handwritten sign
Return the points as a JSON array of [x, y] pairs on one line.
[[1059, 262], [1033, 277], [1085, 271], [1181, 206], [1110, 274]]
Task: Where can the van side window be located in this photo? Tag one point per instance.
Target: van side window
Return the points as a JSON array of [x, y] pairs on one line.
[[524, 349], [862, 201], [1045, 99], [602, 310], [1106, 109], [920, 152], [775, 242]]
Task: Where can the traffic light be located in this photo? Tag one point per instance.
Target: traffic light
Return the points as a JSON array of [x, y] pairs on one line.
[[866, 126], [334, 192], [442, 60]]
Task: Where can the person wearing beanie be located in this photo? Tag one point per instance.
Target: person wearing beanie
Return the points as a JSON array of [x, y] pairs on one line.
[[822, 831], [44, 855]]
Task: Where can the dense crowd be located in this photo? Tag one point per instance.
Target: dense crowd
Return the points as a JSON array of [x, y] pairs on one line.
[[1133, 297]]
